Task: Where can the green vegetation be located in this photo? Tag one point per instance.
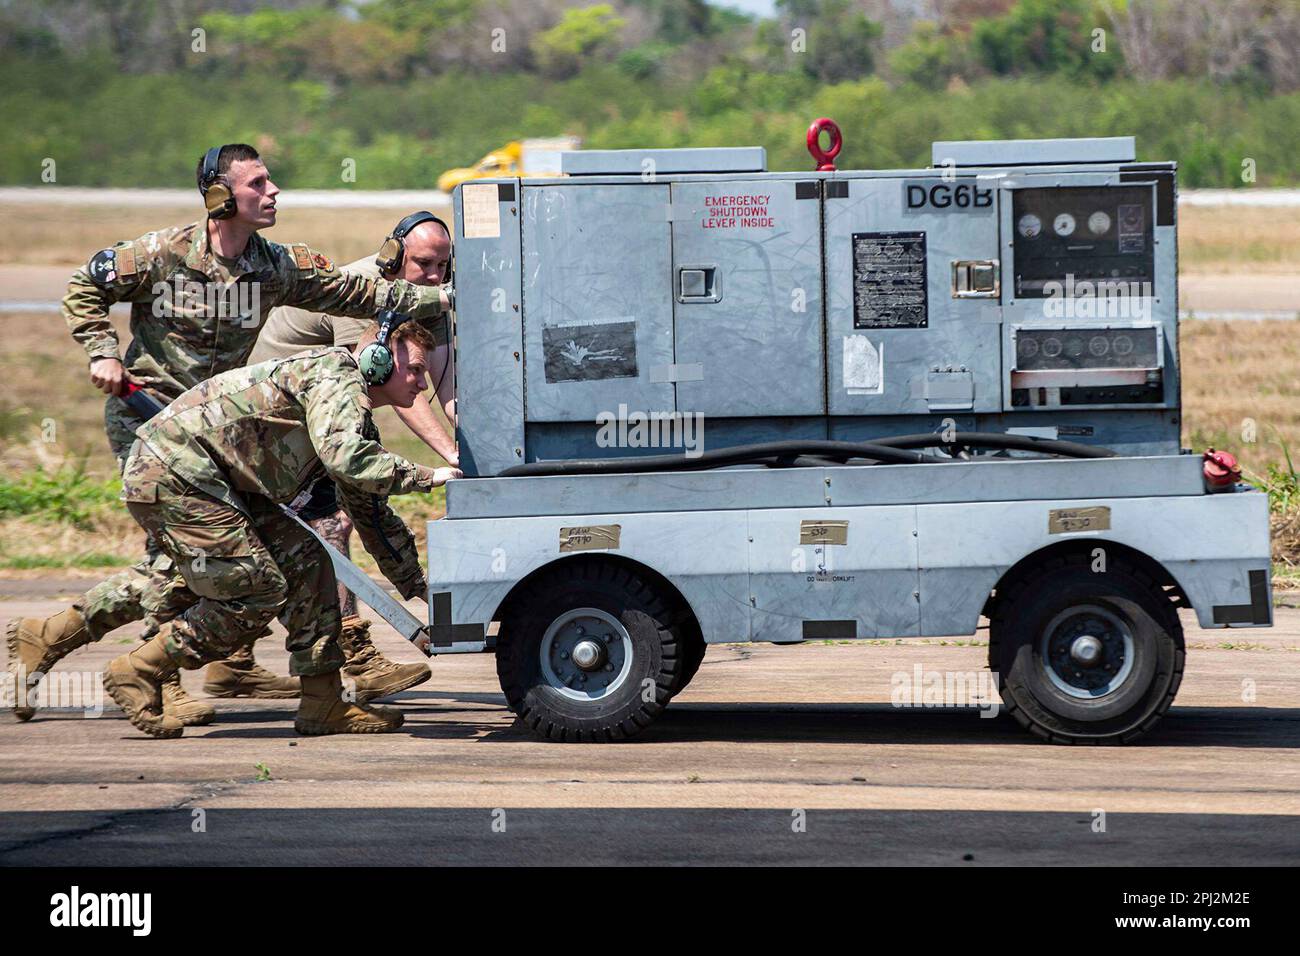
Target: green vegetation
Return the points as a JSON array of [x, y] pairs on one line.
[[1281, 482], [68, 495], [408, 88], [84, 559]]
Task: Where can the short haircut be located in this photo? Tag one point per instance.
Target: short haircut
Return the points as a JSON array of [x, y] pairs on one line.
[[230, 153], [409, 331]]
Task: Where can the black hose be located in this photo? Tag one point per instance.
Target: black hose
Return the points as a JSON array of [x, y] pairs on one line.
[[807, 453], [737, 455], [1051, 446]]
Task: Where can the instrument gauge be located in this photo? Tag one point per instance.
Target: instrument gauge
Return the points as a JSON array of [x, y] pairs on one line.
[[1063, 225]]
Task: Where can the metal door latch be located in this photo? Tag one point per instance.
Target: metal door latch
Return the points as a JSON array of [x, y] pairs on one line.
[[975, 279]]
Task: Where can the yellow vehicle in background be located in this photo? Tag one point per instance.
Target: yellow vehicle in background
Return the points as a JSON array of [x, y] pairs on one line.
[[523, 158]]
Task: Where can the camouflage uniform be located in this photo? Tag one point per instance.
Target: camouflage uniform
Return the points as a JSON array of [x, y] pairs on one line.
[[291, 330], [190, 342], [206, 477]]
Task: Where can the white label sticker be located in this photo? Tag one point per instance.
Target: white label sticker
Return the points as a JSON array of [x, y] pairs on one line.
[[864, 366], [480, 210]]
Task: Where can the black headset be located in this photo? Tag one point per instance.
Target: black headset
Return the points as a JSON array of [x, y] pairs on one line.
[[393, 251], [217, 196], [376, 359]]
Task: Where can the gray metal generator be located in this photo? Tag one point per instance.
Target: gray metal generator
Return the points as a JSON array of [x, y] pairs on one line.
[[699, 402]]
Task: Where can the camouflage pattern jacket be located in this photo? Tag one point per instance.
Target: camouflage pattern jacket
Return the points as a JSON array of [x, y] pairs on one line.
[[275, 428], [195, 314]]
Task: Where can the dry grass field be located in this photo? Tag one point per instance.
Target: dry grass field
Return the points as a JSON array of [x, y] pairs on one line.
[[1238, 239]]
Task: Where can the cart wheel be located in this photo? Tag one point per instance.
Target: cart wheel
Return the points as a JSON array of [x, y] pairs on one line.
[[692, 648], [1086, 657], [588, 652]]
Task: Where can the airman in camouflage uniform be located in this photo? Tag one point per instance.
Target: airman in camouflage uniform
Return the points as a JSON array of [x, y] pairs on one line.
[[424, 260], [194, 313], [206, 477]]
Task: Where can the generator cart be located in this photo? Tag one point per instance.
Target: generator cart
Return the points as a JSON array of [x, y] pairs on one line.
[[699, 402]]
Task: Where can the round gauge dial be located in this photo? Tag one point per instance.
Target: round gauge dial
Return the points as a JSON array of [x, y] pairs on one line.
[[1099, 223], [1029, 226], [1063, 225]]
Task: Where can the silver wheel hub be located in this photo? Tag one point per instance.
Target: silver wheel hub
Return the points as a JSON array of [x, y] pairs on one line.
[[586, 654], [1087, 651]]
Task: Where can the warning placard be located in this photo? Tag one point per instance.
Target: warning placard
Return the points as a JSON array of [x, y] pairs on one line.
[[744, 211], [889, 280]]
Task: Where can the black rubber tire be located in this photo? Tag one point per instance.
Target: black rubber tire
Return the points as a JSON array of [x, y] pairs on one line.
[[649, 617], [691, 643], [1020, 619]]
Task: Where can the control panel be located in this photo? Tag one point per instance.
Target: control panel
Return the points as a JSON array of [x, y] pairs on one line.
[[1070, 234]]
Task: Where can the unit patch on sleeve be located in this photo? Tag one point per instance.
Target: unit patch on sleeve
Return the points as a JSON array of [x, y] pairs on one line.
[[102, 267]]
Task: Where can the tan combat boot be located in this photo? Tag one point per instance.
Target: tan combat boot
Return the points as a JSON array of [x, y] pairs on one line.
[[178, 704], [324, 711], [240, 675], [135, 682], [369, 672], [36, 645]]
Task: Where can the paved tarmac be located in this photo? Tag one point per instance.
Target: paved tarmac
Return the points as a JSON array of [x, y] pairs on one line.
[[773, 755]]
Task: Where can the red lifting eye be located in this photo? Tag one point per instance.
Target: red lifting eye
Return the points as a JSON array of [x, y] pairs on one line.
[[825, 158], [1220, 469]]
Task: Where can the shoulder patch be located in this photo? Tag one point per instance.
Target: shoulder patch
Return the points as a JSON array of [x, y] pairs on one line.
[[102, 267], [126, 264], [322, 262], [302, 257]]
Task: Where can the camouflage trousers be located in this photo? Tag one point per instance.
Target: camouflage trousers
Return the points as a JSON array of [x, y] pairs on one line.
[[149, 589], [237, 570]]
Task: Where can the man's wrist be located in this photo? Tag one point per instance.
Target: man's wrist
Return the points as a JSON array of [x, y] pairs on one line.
[[413, 587], [446, 449]]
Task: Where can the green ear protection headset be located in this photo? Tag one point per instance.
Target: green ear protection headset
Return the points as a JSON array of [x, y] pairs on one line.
[[376, 359], [217, 197]]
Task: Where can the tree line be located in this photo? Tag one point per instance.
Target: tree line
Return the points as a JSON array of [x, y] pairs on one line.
[[127, 91]]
